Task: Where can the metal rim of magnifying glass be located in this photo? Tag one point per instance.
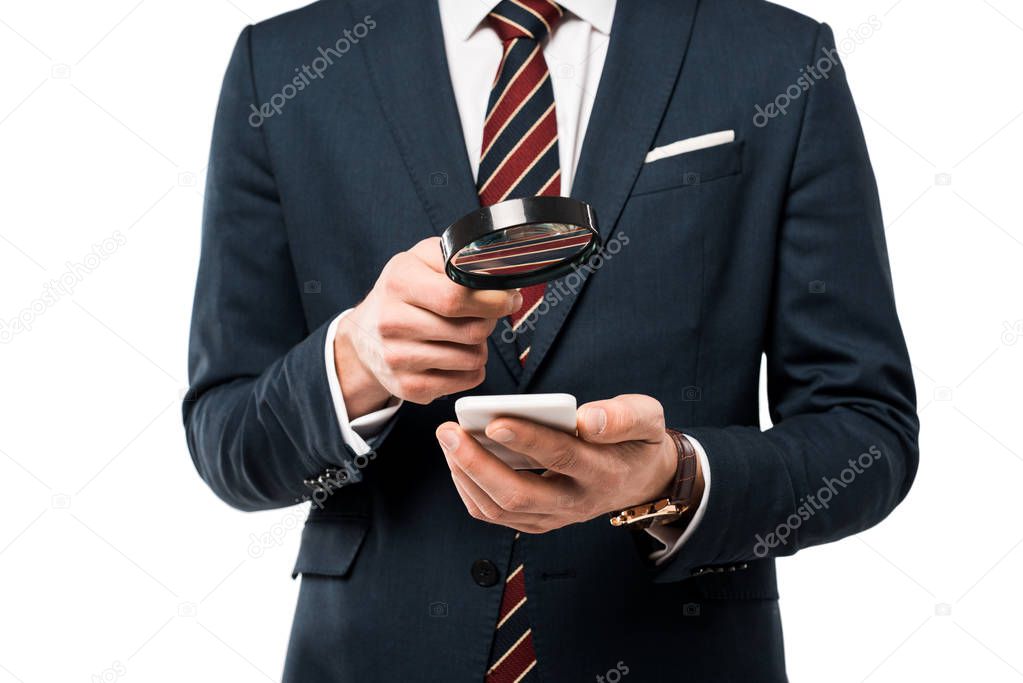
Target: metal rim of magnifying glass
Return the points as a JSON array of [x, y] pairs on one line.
[[514, 213]]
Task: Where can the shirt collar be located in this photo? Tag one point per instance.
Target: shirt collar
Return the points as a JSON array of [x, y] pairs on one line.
[[467, 15], [596, 13]]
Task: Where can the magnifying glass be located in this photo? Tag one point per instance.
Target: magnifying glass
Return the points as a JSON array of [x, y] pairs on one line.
[[519, 242]]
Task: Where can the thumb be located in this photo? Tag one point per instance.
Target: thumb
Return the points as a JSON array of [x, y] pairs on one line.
[[629, 417], [428, 251]]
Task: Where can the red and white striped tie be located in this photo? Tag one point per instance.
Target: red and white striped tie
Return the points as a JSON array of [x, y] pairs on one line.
[[512, 656], [519, 158]]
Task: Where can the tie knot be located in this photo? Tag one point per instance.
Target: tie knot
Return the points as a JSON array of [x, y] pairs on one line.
[[530, 19]]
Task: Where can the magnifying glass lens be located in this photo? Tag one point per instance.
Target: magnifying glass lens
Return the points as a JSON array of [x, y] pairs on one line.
[[519, 242], [523, 249]]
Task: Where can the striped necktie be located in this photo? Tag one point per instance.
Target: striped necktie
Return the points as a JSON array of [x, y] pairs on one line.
[[519, 156]]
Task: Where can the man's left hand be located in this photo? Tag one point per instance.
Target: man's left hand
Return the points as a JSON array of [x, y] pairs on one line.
[[621, 457]]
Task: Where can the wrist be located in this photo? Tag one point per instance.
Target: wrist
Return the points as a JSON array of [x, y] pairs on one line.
[[361, 390], [679, 499], [665, 469]]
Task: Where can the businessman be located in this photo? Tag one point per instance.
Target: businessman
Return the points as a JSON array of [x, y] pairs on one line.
[[719, 146]]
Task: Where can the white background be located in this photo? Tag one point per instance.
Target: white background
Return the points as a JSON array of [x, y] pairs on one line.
[[117, 563]]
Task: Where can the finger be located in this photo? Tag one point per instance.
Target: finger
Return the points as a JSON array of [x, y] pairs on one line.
[[416, 283], [409, 356], [445, 298], [629, 417], [549, 448], [418, 324], [513, 491], [424, 387], [429, 252], [484, 508], [470, 504]]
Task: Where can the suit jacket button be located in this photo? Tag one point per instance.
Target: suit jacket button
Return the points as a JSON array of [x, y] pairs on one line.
[[484, 573]]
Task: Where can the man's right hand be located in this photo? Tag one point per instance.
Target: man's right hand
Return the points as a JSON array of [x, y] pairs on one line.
[[417, 335]]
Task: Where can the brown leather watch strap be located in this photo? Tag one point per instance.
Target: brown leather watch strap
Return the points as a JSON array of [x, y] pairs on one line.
[[684, 483], [688, 485]]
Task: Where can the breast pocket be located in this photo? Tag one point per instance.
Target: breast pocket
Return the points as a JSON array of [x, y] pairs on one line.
[[690, 169]]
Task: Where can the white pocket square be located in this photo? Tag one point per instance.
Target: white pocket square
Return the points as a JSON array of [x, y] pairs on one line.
[[722, 137]]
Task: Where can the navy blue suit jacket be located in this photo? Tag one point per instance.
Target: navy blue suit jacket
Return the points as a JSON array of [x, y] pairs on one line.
[[769, 245]]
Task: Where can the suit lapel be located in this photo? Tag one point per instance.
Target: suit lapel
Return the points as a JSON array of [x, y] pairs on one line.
[[409, 71], [644, 57]]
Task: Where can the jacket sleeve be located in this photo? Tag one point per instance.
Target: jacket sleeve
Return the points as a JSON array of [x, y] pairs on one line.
[[258, 416], [843, 449]]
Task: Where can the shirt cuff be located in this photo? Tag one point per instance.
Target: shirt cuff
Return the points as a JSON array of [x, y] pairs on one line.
[[371, 427], [674, 538]]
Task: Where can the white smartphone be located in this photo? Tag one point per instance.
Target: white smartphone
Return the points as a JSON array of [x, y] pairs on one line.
[[551, 410]]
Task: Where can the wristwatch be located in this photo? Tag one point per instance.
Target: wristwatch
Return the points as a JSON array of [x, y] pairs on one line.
[[684, 494]]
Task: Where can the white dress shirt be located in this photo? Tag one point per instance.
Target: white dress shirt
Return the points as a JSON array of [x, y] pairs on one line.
[[575, 55]]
